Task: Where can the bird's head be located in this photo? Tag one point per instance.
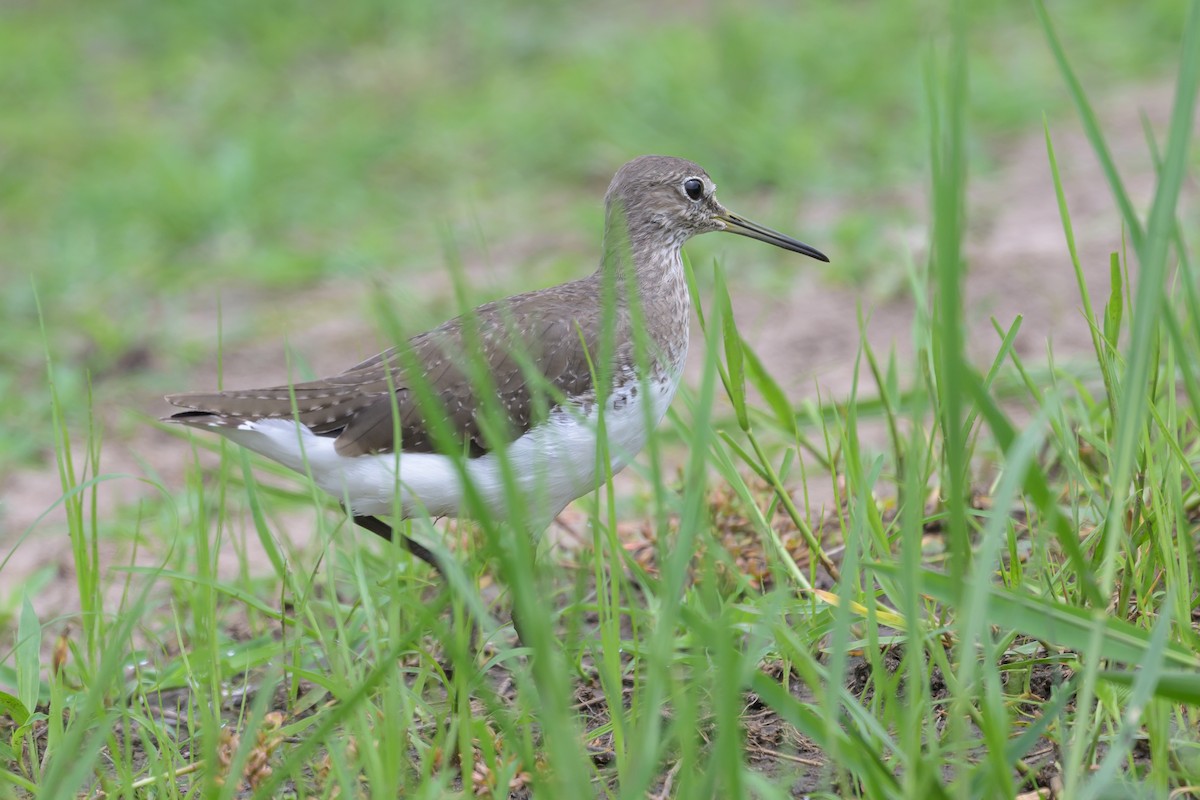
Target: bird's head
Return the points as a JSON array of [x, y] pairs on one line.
[[666, 199]]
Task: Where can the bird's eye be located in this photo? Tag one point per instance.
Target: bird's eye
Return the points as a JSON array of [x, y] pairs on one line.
[[694, 188]]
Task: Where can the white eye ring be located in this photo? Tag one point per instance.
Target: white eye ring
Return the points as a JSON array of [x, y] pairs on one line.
[[693, 188]]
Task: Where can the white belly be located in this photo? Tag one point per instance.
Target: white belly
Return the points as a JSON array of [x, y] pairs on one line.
[[549, 466]]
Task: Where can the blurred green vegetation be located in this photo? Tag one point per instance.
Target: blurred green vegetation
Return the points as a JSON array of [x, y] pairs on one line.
[[152, 150]]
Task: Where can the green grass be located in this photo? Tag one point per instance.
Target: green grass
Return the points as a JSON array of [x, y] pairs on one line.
[[990, 606]]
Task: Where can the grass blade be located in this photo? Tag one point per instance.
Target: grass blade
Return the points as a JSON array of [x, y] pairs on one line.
[[1063, 625], [28, 653]]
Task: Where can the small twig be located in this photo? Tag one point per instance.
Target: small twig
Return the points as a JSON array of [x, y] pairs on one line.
[[142, 783], [665, 791], [808, 762]]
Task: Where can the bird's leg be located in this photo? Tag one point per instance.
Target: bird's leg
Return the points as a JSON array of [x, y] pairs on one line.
[[381, 529], [516, 623]]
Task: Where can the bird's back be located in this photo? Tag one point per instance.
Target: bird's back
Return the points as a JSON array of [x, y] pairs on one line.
[[529, 353]]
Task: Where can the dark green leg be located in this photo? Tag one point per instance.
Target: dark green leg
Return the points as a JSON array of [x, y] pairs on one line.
[[385, 531]]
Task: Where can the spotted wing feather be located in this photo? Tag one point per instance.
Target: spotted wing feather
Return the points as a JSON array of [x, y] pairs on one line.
[[356, 406]]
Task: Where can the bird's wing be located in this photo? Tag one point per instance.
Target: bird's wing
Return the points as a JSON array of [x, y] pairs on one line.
[[357, 406]]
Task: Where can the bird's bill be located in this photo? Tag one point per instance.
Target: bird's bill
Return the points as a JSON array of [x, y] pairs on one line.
[[744, 227]]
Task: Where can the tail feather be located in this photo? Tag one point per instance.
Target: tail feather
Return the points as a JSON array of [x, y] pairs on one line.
[[321, 407]]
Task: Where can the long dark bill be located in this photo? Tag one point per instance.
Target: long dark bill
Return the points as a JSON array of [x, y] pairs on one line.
[[744, 227]]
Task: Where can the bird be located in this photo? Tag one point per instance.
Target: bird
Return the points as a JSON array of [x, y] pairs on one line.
[[546, 366]]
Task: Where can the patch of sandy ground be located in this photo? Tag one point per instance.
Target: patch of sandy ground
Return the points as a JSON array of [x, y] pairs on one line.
[[807, 337]]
